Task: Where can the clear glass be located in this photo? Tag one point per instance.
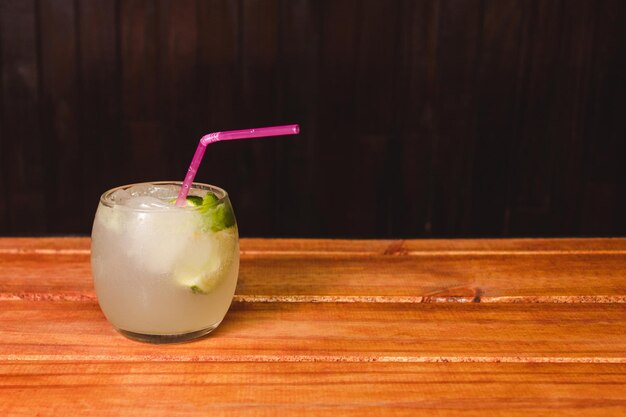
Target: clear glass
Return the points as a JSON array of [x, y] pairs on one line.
[[161, 274]]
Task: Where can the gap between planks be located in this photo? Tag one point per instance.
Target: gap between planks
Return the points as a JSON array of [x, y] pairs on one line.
[[313, 358], [460, 253], [554, 299]]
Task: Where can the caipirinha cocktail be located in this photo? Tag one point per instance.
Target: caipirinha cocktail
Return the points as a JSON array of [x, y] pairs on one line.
[[164, 272]]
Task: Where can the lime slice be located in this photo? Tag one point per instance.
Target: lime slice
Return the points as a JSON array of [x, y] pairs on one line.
[[207, 261], [200, 280], [191, 201], [217, 216], [194, 200]]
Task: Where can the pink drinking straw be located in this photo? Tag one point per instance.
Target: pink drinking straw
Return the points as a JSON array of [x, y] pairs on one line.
[[228, 135]]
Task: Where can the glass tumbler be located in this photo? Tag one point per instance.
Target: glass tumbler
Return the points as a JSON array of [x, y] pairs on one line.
[[164, 273]]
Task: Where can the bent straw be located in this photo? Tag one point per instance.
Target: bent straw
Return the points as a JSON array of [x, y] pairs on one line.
[[227, 135]]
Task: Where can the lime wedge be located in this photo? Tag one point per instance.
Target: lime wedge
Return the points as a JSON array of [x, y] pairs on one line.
[[194, 200], [217, 216], [207, 261], [202, 279]]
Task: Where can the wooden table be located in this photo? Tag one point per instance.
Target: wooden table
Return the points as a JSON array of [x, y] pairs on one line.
[[333, 327]]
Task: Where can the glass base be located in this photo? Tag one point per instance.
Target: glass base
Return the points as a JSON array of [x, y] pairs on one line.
[[161, 339]]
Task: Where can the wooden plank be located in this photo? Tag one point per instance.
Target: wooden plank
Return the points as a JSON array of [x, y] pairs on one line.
[[297, 96], [358, 140], [487, 278], [219, 89], [309, 353], [573, 92], [238, 57], [377, 52], [569, 148], [255, 166], [22, 162], [530, 191], [218, 52], [337, 139], [317, 389], [605, 189], [338, 43], [341, 247], [333, 332], [146, 145], [416, 119], [61, 114], [259, 54], [479, 278], [458, 46], [177, 37], [103, 163], [572, 271], [55, 245], [500, 60], [46, 275], [374, 170]]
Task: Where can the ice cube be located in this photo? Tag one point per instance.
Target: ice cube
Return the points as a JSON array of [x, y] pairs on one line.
[[141, 190], [162, 191], [165, 191], [147, 203], [120, 196], [157, 238]]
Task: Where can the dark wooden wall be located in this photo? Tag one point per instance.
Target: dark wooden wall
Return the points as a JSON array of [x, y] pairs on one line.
[[419, 118]]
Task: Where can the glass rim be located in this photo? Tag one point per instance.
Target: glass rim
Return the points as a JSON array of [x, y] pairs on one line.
[[220, 193]]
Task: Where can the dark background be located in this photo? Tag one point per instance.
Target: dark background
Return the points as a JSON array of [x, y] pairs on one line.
[[419, 118]]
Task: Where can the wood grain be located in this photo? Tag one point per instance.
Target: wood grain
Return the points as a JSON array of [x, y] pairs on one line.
[[529, 191], [345, 175], [296, 100], [61, 116], [257, 85], [458, 29], [572, 91], [317, 389], [561, 270], [145, 147], [498, 75], [178, 78], [419, 119], [416, 120], [603, 199], [334, 247], [22, 156], [334, 327], [101, 103], [333, 332]]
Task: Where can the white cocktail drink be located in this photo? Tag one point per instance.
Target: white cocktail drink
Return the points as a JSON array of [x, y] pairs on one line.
[[165, 273]]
